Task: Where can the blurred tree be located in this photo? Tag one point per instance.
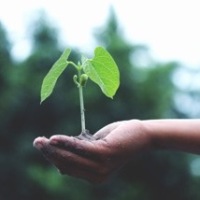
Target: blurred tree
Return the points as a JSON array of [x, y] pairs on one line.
[[144, 93], [23, 171], [5, 64]]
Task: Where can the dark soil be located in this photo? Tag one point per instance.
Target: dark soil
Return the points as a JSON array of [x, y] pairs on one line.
[[86, 136]]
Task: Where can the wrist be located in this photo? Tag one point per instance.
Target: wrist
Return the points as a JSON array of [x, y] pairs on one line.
[[145, 137], [151, 134]]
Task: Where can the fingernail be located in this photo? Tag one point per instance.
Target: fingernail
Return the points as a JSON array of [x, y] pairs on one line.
[[37, 144]]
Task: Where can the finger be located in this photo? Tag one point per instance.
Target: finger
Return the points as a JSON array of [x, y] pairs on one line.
[[102, 133], [69, 163], [60, 156], [74, 165], [89, 149], [40, 142]]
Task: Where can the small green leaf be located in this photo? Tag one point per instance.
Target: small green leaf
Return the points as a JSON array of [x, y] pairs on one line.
[[54, 73], [103, 70]]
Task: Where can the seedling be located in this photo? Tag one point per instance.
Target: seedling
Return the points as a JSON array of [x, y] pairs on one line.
[[101, 69]]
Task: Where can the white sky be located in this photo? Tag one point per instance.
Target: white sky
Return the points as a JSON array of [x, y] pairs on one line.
[[170, 28]]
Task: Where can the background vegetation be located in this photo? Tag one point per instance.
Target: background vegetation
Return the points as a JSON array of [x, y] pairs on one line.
[[146, 92]]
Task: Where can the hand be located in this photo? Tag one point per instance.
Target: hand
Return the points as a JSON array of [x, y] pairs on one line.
[[95, 160]]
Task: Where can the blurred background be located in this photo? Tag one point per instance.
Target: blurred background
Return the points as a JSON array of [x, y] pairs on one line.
[[154, 84]]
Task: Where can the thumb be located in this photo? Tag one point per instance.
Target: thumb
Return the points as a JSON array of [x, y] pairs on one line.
[[103, 132]]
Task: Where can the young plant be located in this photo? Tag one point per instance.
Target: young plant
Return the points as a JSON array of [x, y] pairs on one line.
[[101, 69]]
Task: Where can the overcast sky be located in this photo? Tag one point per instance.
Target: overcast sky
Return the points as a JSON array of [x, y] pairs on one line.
[[170, 28]]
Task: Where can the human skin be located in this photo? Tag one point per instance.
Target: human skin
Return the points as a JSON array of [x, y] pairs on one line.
[[116, 144]]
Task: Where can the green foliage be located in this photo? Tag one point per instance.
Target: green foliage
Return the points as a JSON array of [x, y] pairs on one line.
[[52, 76], [103, 70], [53, 182]]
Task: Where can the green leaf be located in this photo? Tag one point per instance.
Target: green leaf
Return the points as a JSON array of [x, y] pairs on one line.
[[103, 70], [54, 73]]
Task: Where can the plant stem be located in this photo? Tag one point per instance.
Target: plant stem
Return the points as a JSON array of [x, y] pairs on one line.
[[82, 109]]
